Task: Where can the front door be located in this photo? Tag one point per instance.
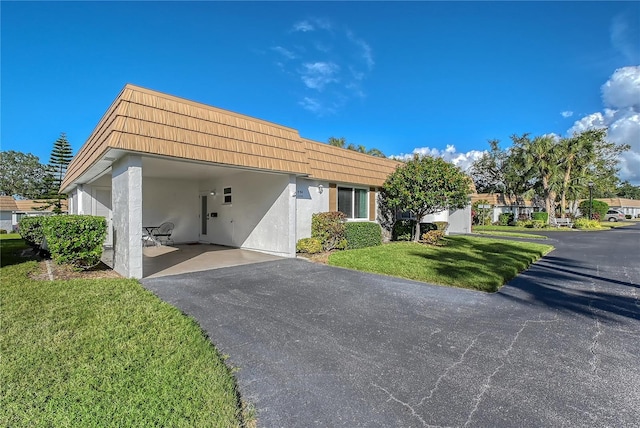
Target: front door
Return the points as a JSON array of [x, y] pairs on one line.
[[102, 207]]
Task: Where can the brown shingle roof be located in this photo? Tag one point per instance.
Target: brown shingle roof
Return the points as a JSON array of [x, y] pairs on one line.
[[621, 202], [146, 121], [7, 203]]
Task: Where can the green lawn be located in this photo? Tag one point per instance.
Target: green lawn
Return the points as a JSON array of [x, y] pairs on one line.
[[520, 229], [104, 353], [470, 262], [512, 234]]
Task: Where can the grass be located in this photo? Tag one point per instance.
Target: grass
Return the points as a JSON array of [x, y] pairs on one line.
[[512, 234], [104, 353], [520, 229], [469, 262], [608, 224]]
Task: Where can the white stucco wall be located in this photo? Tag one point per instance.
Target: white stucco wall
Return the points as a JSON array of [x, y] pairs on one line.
[[127, 216], [172, 200], [460, 220], [309, 201], [260, 215], [5, 221]]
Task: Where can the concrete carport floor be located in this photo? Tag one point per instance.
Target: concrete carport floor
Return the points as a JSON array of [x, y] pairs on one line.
[[322, 346]]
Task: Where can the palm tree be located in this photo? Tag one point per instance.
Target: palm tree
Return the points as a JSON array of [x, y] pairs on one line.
[[539, 159]]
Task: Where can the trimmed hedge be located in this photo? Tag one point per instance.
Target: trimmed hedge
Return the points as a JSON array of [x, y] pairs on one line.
[[542, 216], [309, 246], [362, 235], [30, 229], [75, 239], [329, 228]]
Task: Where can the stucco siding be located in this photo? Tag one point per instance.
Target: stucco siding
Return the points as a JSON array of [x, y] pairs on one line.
[[258, 218], [310, 201], [175, 201]]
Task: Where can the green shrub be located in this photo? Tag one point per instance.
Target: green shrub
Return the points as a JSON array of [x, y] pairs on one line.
[[403, 229], [30, 228], [542, 216], [505, 218], [627, 216], [363, 234], [523, 223], [76, 240], [3, 232], [538, 224], [585, 223], [600, 208], [329, 228], [309, 246], [432, 237]]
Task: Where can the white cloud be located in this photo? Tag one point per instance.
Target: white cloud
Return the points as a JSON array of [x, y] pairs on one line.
[[303, 26], [317, 75], [622, 94], [566, 114], [329, 62], [284, 52], [624, 38], [450, 154], [622, 90], [365, 49]]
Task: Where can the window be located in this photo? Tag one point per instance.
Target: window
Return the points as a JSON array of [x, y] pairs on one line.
[[226, 192], [353, 202]]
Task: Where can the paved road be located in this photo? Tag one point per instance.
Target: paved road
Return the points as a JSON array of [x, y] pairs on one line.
[[320, 346]]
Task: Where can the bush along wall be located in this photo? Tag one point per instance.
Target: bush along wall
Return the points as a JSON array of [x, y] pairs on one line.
[[329, 228], [75, 239], [30, 229], [362, 235]]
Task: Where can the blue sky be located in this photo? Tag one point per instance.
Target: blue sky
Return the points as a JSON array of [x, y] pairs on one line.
[[433, 77]]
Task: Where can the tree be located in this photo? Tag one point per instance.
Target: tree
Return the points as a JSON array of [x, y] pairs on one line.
[[342, 143], [487, 171], [627, 190], [22, 175], [337, 142], [61, 156], [539, 163], [426, 185]]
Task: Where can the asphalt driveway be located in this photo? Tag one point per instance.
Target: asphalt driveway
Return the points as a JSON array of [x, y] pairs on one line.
[[328, 347]]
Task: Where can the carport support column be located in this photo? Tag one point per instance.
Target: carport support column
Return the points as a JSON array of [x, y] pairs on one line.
[[126, 195], [293, 209]]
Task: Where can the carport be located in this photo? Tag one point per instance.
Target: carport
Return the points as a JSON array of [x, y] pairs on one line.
[[222, 178]]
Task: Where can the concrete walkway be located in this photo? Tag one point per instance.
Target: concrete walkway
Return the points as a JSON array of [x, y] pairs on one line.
[[327, 347]]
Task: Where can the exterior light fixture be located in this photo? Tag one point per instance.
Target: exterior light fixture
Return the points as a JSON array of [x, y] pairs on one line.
[[212, 193], [320, 188]]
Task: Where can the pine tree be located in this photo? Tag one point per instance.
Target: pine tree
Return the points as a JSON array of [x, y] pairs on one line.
[[61, 156]]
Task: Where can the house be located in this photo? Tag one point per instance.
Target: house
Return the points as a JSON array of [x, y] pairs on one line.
[[626, 206], [7, 207], [220, 177], [501, 203], [13, 210]]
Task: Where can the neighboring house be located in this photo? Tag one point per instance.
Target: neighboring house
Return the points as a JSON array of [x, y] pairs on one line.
[[626, 206], [13, 210], [7, 207], [501, 203], [220, 177]]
